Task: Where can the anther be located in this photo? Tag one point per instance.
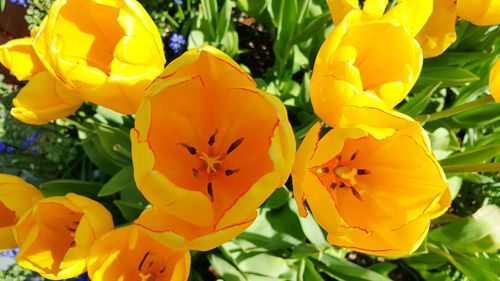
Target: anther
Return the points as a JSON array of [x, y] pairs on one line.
[[210, 190], [234, 145], [211, 140], [143, 260], [333, 185], [356, 194], [362, 172], [191, 149], [195, 172], [341, 184], [354, 155], [229, 172], [162, 270]]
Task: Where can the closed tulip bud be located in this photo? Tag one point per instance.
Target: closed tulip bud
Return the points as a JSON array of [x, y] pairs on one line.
[[208, 147], [373, 186], [106, 51], [19, 57], [16, 198], [483, 12], [55, 236], [129, 254]]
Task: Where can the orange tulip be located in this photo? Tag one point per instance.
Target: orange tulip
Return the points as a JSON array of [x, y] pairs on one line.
[[495, 81], [359, 65], [16, 197], [208, 146], [55, 236], [128, 254], [372, 192]]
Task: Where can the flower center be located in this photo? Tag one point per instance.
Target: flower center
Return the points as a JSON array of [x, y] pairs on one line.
[[211, 163], [151, 266], [339, 173]]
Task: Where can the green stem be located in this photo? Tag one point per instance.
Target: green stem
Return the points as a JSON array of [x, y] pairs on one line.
[[490, 167], [303, 9], [454, 110], [171, 21]]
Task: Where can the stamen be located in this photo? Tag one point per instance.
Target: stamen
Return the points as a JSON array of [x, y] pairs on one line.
[[341, 184], [354, 155], [362, 172], [333, 185], [210, 190], [73, 244], [356, 194], [211, 140], [162, 270], [191, 149], [71, 229], [234, 145], [195, 172], [143, 260], [231, 172]]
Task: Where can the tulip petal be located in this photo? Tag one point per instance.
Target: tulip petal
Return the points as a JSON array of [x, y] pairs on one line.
[[485, 12], [412, 14], [19, 57], [495, 81]]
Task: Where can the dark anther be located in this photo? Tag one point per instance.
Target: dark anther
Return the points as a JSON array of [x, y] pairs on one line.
[[356, 193], [354, 155], [191, 149], [333, 185], [162, 270], [211, 140], [210, 190], [71, 229], [73, 244], [325, 170], [143, 260], [195, 172], [362, 172], [341, 184], [231, 172], [234, 145]]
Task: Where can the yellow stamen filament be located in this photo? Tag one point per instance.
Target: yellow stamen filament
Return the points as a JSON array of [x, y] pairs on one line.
[[347, 174], [211, 162]]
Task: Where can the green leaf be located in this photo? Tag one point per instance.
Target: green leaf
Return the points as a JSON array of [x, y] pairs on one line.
[[383, 268], [115, 143], [63, 187], [307, 272], [279, 198], [473, 156], [225, 269], [312, 28], [477, 233], [480, 116], [2, 5], [449, 76], [97, 155], [312, 230], [252, 7], [419, 101], [120, 181], [347, 271], [129, 210], [264, 264]]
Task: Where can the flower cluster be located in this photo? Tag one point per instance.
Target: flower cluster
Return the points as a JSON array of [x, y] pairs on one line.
[[209, 147]]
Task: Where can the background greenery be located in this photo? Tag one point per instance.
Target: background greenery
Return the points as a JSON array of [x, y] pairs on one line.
[[277, 41]]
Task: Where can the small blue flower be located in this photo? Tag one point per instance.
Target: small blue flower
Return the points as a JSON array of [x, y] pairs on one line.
[[178, 2], [36, 134], [9, 150], [177, 41], [19, 2], [83, 277], [2, 147], [10, 253], [26, 143]]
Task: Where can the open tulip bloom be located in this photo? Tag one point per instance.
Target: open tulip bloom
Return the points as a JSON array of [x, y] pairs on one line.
[[373, 188], [208, 148]]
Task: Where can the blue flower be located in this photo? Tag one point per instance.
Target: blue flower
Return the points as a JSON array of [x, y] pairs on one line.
[[10, 253], [9, 150], [2, 147], [83, 277], [19, 2], [177, 42], [26, 143], [178, 2]]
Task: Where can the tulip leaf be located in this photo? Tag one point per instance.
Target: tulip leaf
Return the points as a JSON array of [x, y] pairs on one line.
[[312, 230], [225, 269], [419, 101], [312, 27], [264, 264], [129, 210], [96, 154], [279, 198], [115, 143], [63, 187], [307, 271], [344, 270], [449, 76], [477, 233], [480, 116], [473, 156], [2, 5], [120, 181]]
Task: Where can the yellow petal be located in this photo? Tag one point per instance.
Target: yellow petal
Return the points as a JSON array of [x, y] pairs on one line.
[[19, 57], [412, 14], [339, 8], [44, 99], [439, 31], [484, 12], [495, 81]]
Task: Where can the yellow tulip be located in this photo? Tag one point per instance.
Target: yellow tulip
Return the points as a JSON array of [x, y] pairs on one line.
[[16, 197], [108, 51], [359, 64], [372, 192], [44, 99], [412, 14], [129, 254], [439, 31], [19, 57], [205, 136], [483, 12], [495, 81], [56, 235]]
